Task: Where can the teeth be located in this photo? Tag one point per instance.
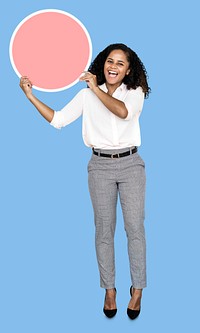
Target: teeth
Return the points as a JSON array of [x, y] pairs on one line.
[[111, 72]]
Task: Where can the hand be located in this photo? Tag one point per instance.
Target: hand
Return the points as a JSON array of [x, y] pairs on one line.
[[90, 78], [26, 85]]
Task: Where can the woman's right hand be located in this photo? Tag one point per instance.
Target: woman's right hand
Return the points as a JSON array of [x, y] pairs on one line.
[[26, 85], [44, 110]]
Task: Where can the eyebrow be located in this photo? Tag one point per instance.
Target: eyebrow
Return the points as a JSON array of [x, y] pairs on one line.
[[117, 60]]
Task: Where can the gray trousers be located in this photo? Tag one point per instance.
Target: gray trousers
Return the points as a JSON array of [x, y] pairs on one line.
[[107, 178]]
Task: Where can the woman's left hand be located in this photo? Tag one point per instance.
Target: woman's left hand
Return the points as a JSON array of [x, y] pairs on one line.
[[90, 78]]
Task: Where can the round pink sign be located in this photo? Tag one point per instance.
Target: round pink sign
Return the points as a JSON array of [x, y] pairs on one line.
[[52, 48]]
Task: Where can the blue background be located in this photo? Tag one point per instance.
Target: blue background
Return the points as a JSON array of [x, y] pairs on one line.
[[49, 277]]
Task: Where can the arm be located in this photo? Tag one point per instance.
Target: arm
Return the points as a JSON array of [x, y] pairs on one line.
[[114, 105], [43, 109]]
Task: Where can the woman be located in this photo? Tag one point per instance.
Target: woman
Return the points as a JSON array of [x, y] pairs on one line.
[[117, 82]]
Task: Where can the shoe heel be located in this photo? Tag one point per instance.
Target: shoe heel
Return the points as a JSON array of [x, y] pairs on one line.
[[132, 314], [110, 313]]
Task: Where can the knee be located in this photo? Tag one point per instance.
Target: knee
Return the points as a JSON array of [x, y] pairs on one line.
[[104, 233], [135, 229]]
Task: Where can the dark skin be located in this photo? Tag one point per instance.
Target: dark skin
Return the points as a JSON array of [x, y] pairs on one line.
[[134, 304], [116, 62], [115, 68]]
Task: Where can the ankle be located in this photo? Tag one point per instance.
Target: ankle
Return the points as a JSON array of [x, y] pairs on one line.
[[137, 292], [111, 292]]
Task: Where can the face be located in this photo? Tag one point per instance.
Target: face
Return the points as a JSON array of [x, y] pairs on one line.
[[116, 67]]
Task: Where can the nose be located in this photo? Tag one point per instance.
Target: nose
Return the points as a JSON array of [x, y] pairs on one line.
[[113, 65]]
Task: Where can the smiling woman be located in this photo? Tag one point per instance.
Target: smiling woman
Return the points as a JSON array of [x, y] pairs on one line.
[[116, 67], [137, 75], [111, 108]]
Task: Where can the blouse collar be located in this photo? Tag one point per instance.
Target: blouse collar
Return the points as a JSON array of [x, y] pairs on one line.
[[120, 88]]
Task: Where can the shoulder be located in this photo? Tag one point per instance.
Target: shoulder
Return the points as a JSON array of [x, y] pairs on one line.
[[85, 91], [130, 91], [138, 90], [81, 94], [88, 94], [137, 93]]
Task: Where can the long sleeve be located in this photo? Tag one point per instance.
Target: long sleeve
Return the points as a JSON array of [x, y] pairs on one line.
[[100, 127], [70, 112], [134, 102]]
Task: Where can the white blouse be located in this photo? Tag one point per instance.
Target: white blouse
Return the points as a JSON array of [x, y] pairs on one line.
[[100, 127]]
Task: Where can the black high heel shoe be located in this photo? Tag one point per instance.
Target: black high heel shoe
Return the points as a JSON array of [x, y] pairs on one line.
[[133, 314], [110, 313]]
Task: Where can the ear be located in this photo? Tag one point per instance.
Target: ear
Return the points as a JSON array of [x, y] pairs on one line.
[[128, 71]]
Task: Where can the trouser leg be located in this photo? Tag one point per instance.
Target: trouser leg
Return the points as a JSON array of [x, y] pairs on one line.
[[103, 192], [132, 198]]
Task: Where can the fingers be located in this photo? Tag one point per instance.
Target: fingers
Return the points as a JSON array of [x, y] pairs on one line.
[[85, 73], [83, 76], [90, 79], [24, 81], [87, 76]]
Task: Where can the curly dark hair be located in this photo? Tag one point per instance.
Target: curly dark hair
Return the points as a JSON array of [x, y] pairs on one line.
[[137, 76]]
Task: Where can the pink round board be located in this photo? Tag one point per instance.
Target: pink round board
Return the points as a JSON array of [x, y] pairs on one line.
[[52, 48]]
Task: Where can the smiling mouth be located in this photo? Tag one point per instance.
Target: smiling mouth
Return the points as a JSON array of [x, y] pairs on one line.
[[112, 73]]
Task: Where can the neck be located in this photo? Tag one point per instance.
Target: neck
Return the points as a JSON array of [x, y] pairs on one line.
[[112, 87]]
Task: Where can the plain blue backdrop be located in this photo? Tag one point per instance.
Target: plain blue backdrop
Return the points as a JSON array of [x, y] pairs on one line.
[[49, 277]]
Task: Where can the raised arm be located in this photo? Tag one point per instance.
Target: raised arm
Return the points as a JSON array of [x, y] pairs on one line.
[[113, 104], [43, 109]]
